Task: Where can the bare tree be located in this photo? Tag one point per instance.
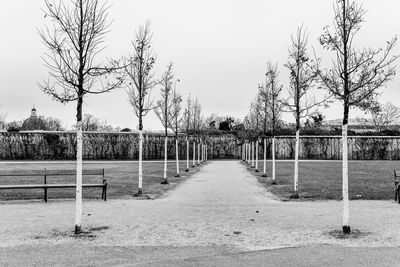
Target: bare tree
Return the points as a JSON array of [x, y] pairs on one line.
[[187, 121], [301, 101], [13, 126], [162, 110], [53, 124], [255, 115], [356, 74], [265, 117], [138, 69], [385, 115], [73, 42], [90, 123], [175, 123], [3, 121], [254, 124], [271, 98], [196, 122]]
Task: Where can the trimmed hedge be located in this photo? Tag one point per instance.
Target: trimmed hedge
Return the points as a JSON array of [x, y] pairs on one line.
[[124, 146]]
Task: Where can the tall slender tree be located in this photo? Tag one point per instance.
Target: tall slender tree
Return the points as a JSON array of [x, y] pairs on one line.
[[74, 42], [265, 116], [163, 110], [197, 121], [356, 73], [271, 95], [255, 118], [140, 82], [187, 123], [175, 123], [301, 101]]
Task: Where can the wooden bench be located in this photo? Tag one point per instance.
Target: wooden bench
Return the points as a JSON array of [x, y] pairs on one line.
[[48, 173], [397, 186]]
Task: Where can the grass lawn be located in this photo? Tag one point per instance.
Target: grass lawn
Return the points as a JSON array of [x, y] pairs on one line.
[[122, 179], [323, 179]]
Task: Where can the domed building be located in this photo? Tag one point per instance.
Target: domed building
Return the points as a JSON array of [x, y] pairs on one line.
[[33, 123]]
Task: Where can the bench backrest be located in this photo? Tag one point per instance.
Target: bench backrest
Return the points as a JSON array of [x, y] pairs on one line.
[[50, 172]]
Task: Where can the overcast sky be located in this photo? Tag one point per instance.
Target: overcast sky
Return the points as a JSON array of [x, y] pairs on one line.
[[219, 47]]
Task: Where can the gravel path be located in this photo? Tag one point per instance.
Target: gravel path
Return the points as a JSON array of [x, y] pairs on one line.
[[223, 205]]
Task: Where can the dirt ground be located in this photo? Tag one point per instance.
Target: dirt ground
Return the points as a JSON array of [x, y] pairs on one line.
[[223, 205]]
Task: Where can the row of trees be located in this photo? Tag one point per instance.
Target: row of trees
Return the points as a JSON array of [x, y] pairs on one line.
[[73, 43], [353, 79]]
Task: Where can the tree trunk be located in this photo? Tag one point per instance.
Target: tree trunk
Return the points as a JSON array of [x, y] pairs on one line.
[[140, 191], [202, 153], [265, 159], [198, 153], [296, 165], [78, 200], [252, 154], [194, 155], [165, 178], [256, 144], [345, 185], [79, 145], [187, 154], [346, 91], [273, 160], [248, 153], [177, 157], [245, 152]]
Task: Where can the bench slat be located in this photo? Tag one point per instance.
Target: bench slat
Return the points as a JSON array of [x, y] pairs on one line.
[[22, 173], [50, 172], [21, 186], [29, 186], [73, 172], [72, 185]]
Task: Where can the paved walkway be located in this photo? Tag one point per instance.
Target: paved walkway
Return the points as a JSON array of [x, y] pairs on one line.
[[223, 205]]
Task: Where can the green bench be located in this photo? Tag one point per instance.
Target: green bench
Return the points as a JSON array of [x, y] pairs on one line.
[[51, 173]]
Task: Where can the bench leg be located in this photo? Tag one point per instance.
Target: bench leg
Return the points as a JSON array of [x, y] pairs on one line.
[[104, 194], [396, 196], [45, 195]]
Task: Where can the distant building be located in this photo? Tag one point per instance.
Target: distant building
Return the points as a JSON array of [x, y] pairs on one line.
[[33, 123]]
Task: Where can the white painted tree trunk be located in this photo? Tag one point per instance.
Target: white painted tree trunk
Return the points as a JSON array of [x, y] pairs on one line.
[[265, 159], [252, 154], [201, 153], [140, 162], [248, 153], [245, 152], [206, 153], [345, 186], [187, 154], [256, 159], [194, 154], [165, 157], [177, 157], [296, 165], [273, 160], [78, 198], [198, 153]]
